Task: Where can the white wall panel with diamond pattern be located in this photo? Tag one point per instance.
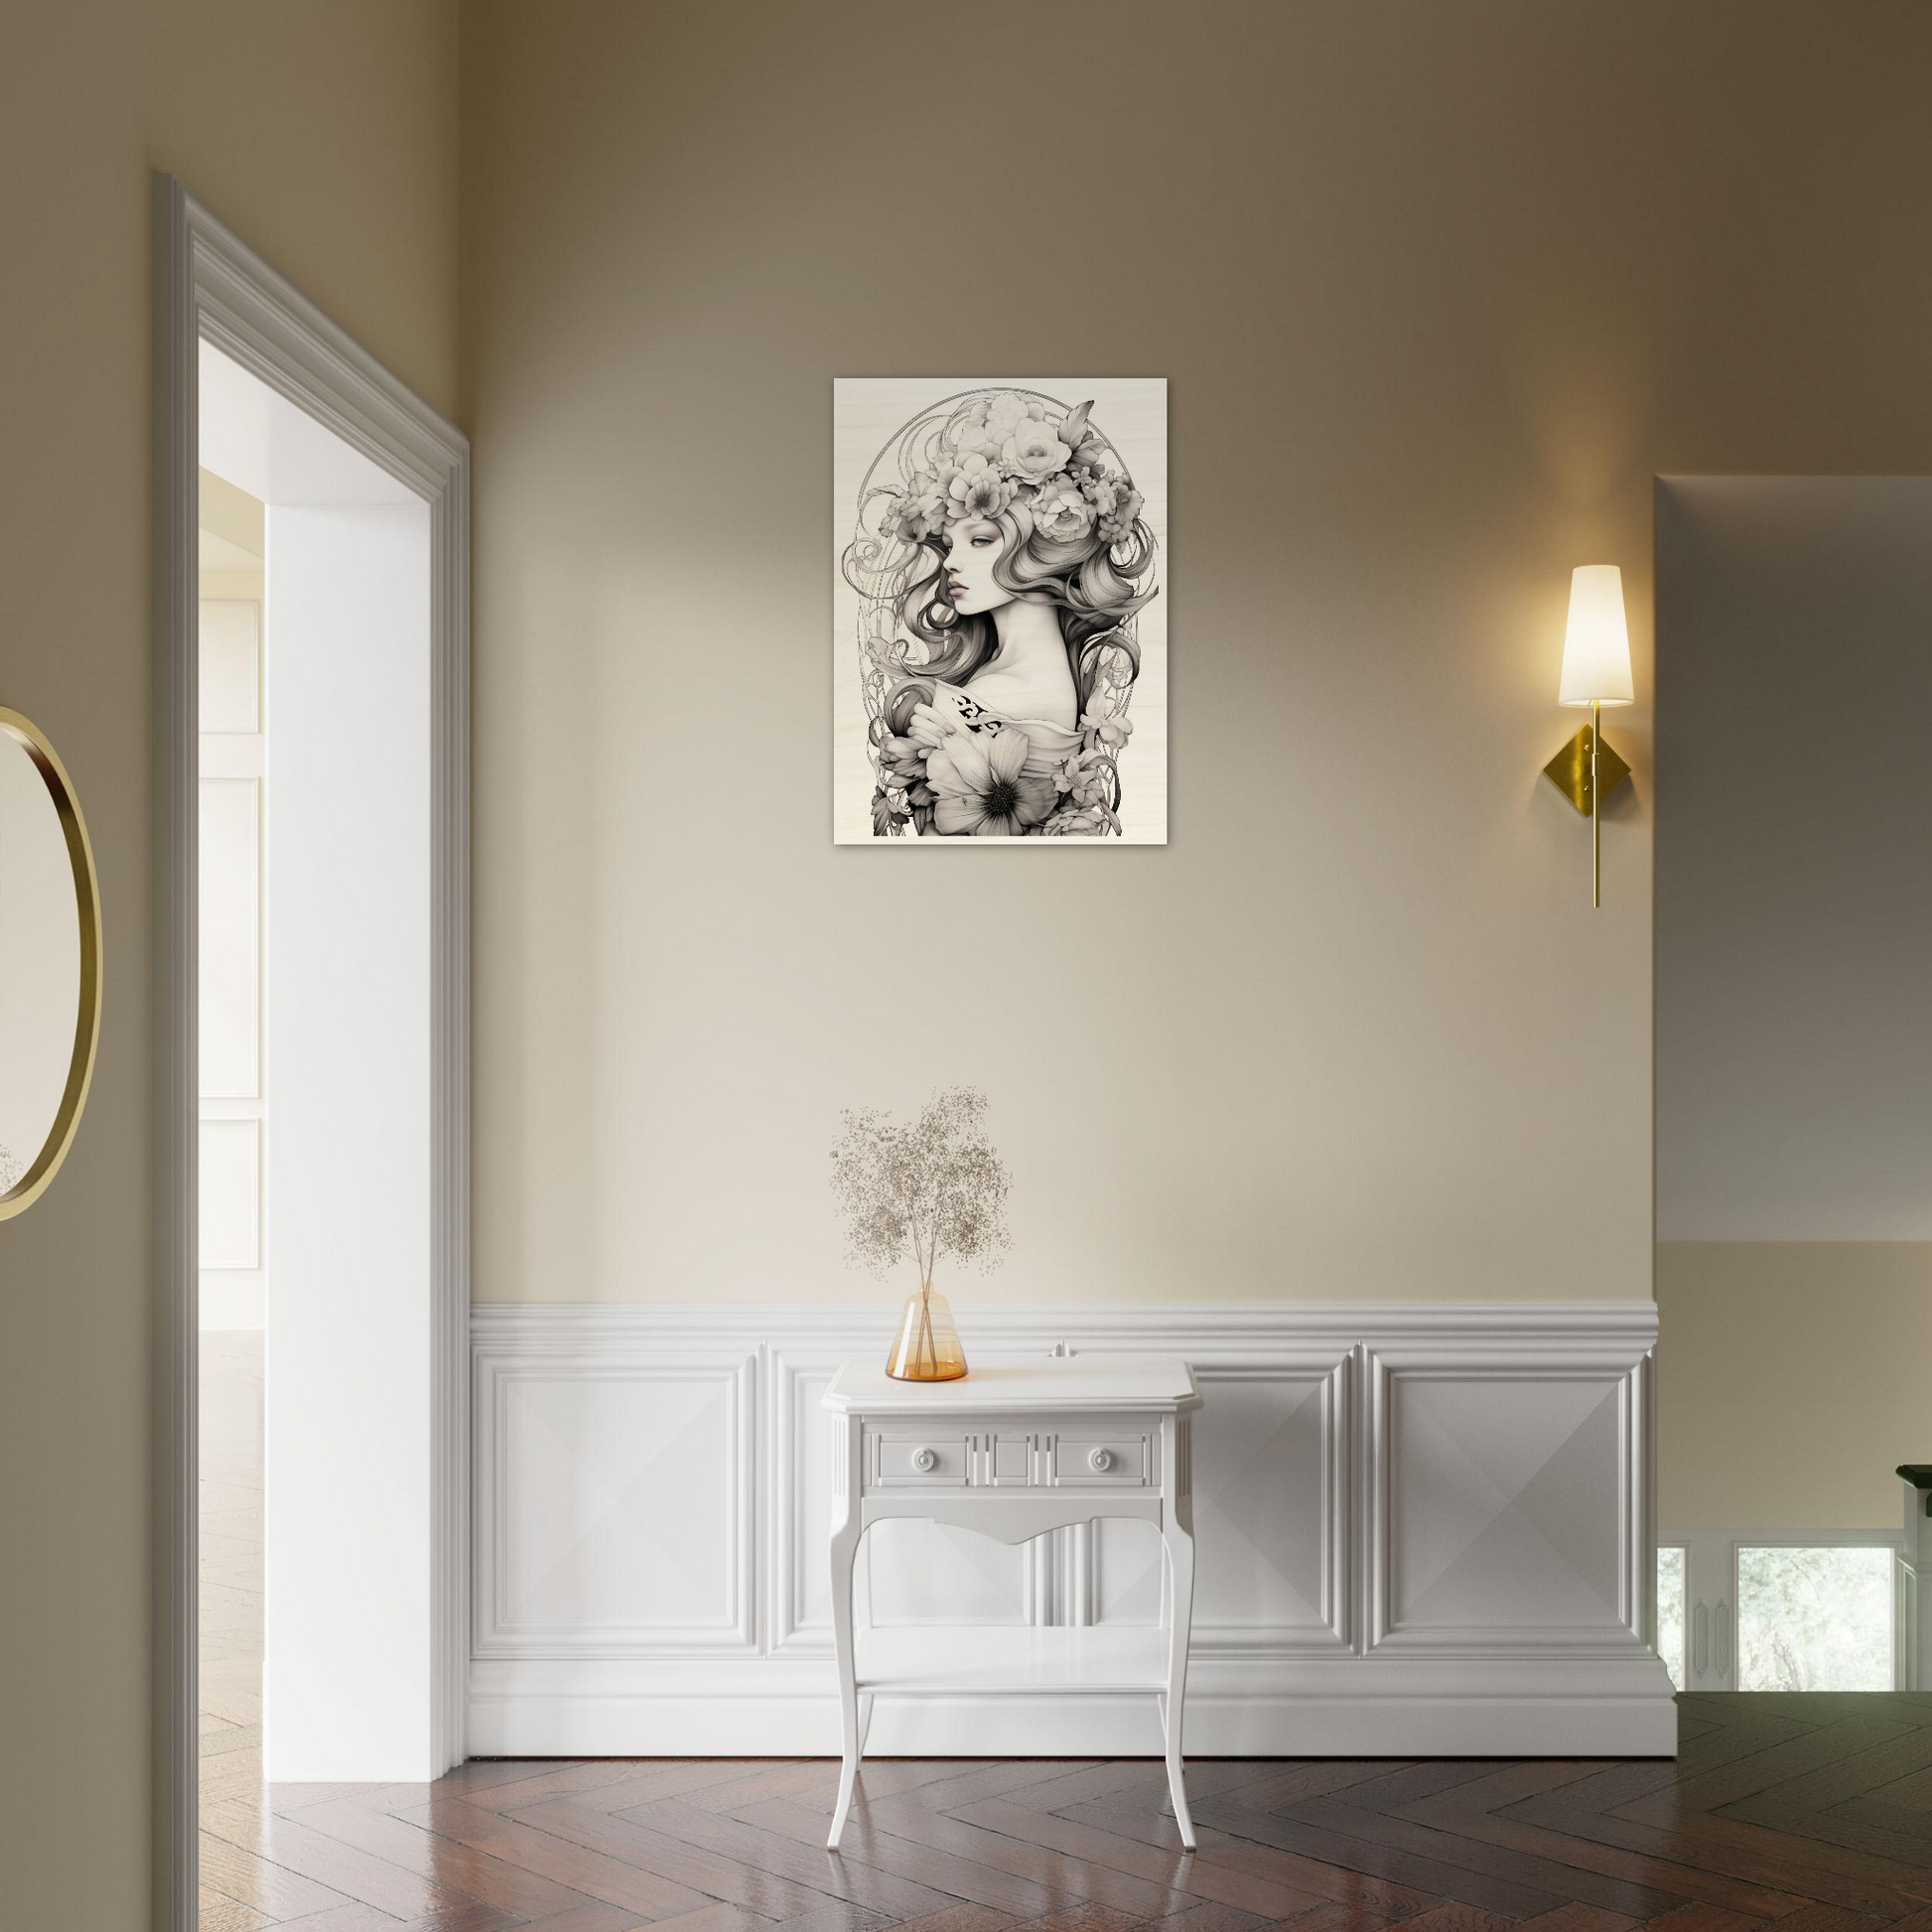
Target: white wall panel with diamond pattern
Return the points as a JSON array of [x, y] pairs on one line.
[[1420, 1529], [614, 1502], [1270, 1500], [1506, 1513]]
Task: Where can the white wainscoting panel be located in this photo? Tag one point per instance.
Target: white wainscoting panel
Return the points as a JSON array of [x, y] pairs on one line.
[[798, 1481], [616, 1506], [1507, 1517], [1270, 1500], [1422, 1529]]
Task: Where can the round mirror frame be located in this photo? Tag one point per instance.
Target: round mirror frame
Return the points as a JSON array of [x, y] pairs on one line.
[[46, 1162]]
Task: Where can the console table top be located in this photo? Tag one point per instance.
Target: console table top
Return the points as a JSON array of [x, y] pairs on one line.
[[1162, 1383]]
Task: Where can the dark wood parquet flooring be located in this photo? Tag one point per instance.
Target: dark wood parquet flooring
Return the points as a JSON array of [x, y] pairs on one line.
[[1811, 1811]]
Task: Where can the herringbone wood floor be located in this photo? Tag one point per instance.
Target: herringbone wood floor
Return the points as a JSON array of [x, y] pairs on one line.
[[1813, 1811]]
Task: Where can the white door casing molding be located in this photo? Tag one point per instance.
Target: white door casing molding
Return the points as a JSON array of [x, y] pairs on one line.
[[1421, 1530], [1911, 1619], [211, 286]]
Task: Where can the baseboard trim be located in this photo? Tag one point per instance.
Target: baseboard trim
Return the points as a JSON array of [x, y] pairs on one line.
[[1236, 1708], [527, 1725]]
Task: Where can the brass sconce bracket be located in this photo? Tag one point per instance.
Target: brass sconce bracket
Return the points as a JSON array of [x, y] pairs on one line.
[[1587, 771], [1568, 770]]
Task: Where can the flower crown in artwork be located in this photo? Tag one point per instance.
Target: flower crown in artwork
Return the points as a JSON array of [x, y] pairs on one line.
[[1012, 451]]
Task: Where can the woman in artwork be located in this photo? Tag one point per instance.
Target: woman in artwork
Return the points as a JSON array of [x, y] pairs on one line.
[[999, 564]]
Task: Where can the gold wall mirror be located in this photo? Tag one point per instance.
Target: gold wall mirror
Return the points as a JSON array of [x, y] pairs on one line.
[[50, 963]]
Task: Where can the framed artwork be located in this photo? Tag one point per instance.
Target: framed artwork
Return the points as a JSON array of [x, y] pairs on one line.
[[999, 609]]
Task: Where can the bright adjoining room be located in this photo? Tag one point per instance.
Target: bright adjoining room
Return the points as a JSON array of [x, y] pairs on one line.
[[590, 1342], [314, 1016]]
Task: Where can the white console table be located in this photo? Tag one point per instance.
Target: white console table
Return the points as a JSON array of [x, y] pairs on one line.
[[1014, 1450]]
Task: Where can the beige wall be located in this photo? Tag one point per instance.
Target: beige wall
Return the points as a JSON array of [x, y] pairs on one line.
[[1792, 1381], [325, 131], [1438, 288]]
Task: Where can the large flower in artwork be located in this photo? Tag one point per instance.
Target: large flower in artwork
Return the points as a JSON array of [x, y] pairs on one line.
[[979, 788], [920, 510], [1033, 452], [1060, 513], [998, 417], [972, 488]]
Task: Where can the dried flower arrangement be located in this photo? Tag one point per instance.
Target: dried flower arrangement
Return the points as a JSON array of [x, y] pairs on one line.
[[934, 1186]]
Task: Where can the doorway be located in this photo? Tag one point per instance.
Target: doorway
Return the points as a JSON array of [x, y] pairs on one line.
[[1794, 1056], [312, 947]]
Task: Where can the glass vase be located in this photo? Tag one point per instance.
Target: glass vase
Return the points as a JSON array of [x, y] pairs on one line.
[[927, 1347]]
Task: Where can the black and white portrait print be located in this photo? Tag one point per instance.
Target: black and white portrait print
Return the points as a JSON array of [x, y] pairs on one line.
[[1000, 634]]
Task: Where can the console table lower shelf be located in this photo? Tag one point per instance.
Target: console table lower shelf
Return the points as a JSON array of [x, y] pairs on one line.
[[1000, 1661], [1015, 1451]]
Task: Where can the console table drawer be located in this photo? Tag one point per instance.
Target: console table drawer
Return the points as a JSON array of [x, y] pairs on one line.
[[906, 1458], [1108, 1460]]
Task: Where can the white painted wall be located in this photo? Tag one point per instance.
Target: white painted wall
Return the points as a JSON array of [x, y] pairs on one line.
[[346, 1236], [347, 1676], [231, 954]]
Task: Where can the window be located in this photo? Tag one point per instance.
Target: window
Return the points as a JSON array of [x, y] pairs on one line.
[[1803, 1611], [1670, 1613], [1816, 1619]]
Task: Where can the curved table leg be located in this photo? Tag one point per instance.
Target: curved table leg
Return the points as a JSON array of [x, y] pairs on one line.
[[845, 1550], [1179, 1536]]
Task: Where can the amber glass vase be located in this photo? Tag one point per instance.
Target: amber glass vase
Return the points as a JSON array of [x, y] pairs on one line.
[[927, 1347]]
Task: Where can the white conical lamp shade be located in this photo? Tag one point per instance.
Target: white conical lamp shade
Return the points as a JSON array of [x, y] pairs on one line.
[[1596, 645]]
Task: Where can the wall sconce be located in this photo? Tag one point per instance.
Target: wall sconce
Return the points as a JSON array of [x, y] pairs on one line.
[[1596, 672]]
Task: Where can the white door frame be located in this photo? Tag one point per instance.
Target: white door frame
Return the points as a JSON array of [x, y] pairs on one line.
[[211, 286]]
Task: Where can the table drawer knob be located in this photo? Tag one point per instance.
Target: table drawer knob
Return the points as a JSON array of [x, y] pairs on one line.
[[1100, 1460], [923, 1460]]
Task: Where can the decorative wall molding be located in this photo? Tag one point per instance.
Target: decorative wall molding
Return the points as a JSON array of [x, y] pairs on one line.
[[1422, 1529], [613, 1521], [1558, 1567], [209, 285], [1911, 1626]]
